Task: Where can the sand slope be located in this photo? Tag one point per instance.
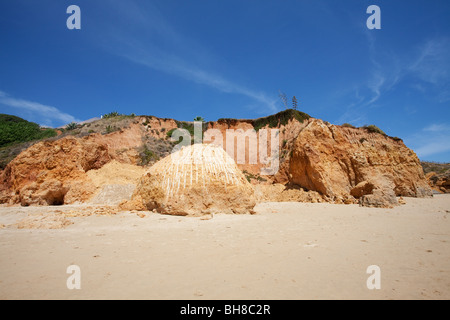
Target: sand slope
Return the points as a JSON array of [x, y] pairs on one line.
[[285, 251]]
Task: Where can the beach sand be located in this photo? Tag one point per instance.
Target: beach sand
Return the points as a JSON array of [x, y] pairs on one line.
[[285, 251]]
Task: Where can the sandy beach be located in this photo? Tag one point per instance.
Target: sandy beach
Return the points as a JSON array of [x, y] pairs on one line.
[[284, 251]]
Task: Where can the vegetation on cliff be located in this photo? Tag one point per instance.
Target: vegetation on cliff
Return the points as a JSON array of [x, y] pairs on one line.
[[16, 130], [275, 120], [371, 129], [17, 134], [436, 167], [189, 126]]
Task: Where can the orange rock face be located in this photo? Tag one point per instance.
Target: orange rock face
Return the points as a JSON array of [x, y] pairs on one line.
[[439, 182], [341, 165], [343, 162], [48, 171], [248, 155]]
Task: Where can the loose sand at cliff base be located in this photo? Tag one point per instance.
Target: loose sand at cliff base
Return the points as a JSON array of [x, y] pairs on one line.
[[284, 251]]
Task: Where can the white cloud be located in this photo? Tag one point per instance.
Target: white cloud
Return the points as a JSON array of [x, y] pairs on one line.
[[428, 68], [45, 113], [176, 66], [432, 64], [433, 146], [432, 140], [437, 128], [375, 85]]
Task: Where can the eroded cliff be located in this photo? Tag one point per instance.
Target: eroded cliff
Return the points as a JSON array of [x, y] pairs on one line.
[[342, 163], [315, 161]]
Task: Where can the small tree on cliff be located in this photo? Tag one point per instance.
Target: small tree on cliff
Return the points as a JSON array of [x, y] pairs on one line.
[[71, 126], [294, 103]]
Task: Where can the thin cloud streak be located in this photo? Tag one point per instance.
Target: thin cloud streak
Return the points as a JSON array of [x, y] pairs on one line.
[[174, 66], [433, 147], [435, 127], [431, 140], [429, 65], [167, 51], [433, 65], [44, 112]]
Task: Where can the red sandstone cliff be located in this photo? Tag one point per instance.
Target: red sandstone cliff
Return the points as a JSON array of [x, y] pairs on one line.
[[48, 172], [343, 165], [342, 162]]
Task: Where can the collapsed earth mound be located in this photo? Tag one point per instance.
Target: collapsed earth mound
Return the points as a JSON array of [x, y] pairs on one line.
[[196, 180]]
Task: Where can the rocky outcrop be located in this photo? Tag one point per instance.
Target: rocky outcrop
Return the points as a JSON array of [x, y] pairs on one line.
[[196, 180], [439, 182], [52, 172], [124, 144], [316, 162], [43, 176], [254, 158], [379, 198], [341, 162]]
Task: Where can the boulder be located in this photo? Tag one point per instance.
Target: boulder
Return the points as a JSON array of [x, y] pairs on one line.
[[380, 198], [362, 189], [196, 180]]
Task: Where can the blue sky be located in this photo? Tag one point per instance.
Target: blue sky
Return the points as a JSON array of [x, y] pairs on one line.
[[227, 58]]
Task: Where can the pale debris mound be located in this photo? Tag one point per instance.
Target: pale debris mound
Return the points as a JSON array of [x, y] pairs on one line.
[[116, 173], [91, 211], [113, 194], [115, 181], [60, 219], [196, 180], [281, 193], [49, 221]]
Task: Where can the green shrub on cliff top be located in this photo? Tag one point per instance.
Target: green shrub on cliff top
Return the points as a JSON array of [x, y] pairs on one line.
[[374, 129], [14, 130], [281, 118]]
